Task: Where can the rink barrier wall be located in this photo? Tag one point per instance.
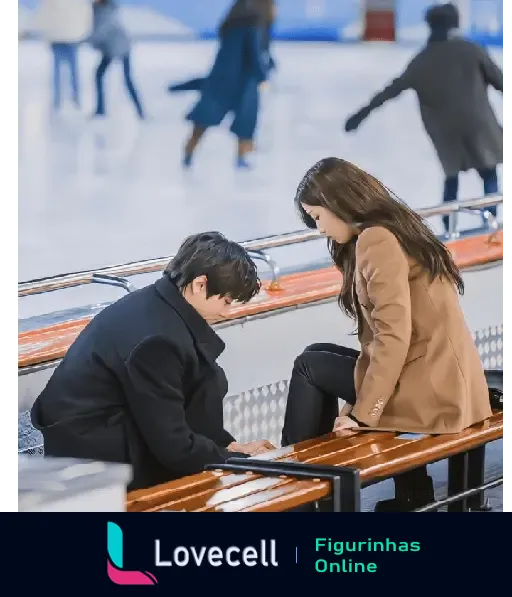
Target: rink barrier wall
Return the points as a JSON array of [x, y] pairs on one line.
[[50, 343], [297, 20]]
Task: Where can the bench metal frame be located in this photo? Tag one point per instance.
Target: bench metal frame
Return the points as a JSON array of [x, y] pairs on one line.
[[345, 481], [466, 484]]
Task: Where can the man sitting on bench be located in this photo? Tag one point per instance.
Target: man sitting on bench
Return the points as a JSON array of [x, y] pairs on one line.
[[140, 384]]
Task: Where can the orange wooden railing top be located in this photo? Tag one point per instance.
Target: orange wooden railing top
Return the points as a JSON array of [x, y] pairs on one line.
[[51, 342]]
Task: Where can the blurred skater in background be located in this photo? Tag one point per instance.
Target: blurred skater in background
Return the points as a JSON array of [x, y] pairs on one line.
[[64, 24], [232, 86], [111, 38], [450, 76], [270, 18], [266, 37]]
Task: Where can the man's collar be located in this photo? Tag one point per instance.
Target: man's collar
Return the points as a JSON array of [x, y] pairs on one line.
[[208, 342]]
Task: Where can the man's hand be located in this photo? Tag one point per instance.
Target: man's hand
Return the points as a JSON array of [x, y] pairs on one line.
[[252, 448], [259, 447]]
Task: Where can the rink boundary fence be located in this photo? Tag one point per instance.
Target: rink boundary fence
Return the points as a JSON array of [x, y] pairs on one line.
[[49, 344]]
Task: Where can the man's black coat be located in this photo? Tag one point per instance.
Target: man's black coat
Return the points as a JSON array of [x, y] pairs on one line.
[[140, 385]]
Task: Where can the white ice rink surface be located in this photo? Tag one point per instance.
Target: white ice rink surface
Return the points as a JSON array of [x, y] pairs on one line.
[[94, 193]]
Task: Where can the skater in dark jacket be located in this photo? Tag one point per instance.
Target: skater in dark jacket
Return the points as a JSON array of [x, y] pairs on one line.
[[450, 76], [232, 86]]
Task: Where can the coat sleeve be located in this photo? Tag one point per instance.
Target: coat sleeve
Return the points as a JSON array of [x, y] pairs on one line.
[[155, 395], [385, 268], [491, 72], [256, 51], [226, 439], [394, 89]]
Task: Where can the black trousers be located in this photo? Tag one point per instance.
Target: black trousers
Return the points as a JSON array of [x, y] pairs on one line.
[[105, 62], [322, 374]]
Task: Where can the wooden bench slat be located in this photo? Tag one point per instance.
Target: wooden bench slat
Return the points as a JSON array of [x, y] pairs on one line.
[[214, 497], [399, 451], [400, 454], [376, 454], [314, 443], [287, 495], [142, 499], [154, 497], [438, 448], [354, 455], [342, 445], [359, 457]]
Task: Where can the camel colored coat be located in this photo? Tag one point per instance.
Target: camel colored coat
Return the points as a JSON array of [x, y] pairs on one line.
[[419, 369]]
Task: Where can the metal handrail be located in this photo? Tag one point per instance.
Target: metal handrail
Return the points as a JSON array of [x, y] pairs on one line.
[[121, 271], [113, 281], [261, 255], [490, 219]]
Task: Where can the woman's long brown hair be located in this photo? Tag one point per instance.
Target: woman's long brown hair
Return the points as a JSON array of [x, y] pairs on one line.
[[359, 199]]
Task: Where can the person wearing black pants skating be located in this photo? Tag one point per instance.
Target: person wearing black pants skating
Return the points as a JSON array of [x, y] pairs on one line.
[[451, 76], [111, 39]]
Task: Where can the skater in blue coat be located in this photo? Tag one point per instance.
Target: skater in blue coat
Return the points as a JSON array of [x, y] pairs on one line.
[[267, 33], [232, 86]]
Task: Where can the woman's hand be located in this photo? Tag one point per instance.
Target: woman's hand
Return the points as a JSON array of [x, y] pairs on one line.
[[344, 422]]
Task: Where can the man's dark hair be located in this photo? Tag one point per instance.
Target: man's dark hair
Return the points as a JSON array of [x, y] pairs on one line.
[[227, 266]]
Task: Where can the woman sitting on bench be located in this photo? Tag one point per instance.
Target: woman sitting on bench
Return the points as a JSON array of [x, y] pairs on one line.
[[418, 369]]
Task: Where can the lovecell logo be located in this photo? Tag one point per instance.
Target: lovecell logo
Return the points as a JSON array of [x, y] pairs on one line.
[[115, 561]]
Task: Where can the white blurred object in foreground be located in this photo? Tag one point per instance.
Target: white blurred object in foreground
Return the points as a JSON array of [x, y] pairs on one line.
[[71, 485]]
